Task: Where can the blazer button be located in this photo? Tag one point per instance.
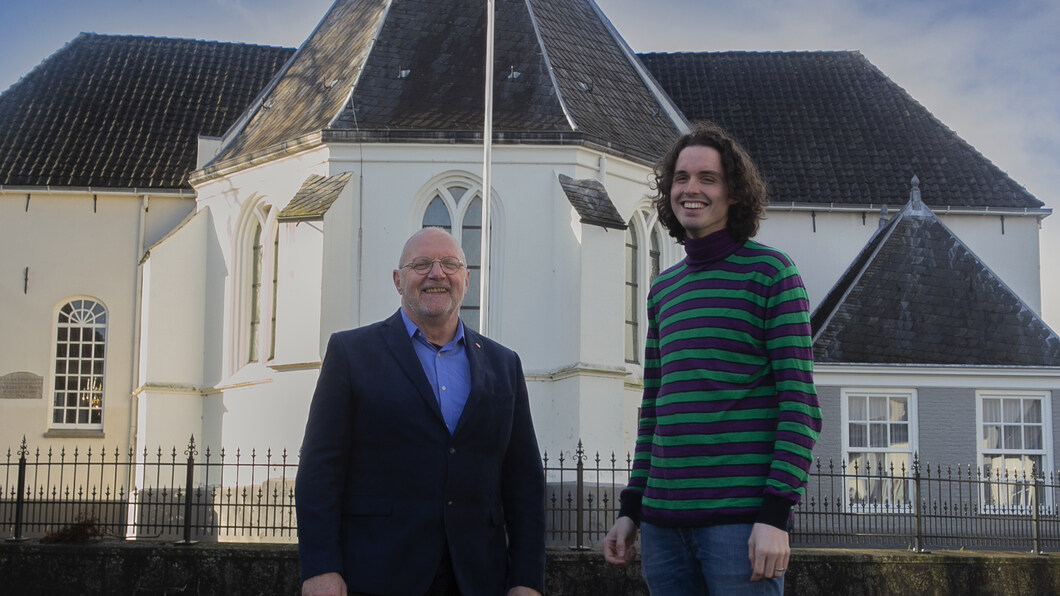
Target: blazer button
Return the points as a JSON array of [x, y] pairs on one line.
[[452, 450], [450, 503]]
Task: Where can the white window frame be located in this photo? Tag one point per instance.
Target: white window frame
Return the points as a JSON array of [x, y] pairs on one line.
[[97, 380], [257, 212], [457, 208], [897, 484], [989, 494], [645, 223]]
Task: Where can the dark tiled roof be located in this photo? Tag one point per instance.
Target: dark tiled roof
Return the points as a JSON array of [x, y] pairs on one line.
[[917, 295], [125, 112], [315, 197], [829, 127], [416, 70], [590, 200]]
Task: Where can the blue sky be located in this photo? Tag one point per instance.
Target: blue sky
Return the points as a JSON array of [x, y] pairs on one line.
[[989, 70]]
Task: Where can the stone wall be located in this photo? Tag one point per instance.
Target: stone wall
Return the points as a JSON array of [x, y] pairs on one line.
[[109, 568]]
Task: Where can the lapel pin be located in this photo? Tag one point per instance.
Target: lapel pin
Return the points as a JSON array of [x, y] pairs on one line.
[[478, 345]]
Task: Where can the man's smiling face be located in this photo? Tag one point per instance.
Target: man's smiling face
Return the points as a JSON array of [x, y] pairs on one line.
[[433, 296], [699, 195]]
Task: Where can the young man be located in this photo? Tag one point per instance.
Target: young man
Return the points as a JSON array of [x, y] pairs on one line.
[[420, 471], [729, 415]]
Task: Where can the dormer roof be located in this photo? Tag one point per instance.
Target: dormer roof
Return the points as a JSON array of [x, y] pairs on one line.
[[916, 294]]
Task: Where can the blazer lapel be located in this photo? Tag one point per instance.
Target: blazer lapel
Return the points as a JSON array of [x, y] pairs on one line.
[[476, 357], [400, 344]]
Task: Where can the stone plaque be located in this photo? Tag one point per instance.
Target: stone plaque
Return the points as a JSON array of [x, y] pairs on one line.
[[21, 385]]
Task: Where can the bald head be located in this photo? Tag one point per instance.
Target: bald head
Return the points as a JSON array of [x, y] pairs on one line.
[[430, 235]]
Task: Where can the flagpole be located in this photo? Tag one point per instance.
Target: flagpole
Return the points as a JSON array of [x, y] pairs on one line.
[[487, 150]]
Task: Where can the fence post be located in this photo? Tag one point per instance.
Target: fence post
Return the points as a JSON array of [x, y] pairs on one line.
[[187, 492], [1037, 514], [918, 545], [20, 498], [580, 496]]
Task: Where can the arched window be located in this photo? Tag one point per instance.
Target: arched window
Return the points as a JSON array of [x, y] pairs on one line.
[[655, 254], [256, 246], [456, 207], [633, 302], [643, 265], [80, 350], [275, 287], [255, 295]]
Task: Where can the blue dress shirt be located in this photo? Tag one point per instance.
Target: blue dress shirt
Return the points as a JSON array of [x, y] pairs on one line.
[[447, 369]]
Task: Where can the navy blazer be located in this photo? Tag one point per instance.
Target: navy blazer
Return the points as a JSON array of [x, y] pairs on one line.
[[382, 486]]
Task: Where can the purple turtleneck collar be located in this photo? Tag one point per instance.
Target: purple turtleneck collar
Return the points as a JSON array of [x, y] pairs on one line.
[[709, 249]]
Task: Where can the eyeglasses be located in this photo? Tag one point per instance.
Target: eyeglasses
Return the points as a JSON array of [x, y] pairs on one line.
[[423, 266]]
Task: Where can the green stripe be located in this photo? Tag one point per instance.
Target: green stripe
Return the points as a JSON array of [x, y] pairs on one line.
[[704, 504], [710, 461], [716, 438]]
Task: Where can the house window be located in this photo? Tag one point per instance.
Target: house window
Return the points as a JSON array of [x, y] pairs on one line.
[[80, 348], [1014, 439], [879, 437], [633, 302], [460, 203]]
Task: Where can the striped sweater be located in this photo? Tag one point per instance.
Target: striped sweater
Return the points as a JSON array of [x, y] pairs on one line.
[[729, 415]]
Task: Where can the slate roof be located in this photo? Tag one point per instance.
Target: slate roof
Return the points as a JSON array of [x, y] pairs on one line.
[[314, 198], [590, 200], [917, 295], [829, 127], [413, 70], [125, 112]]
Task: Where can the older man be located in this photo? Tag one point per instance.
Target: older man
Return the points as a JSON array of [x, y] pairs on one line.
[[420, 471]]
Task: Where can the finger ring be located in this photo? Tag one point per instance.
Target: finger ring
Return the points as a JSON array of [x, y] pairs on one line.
[[779, 569]]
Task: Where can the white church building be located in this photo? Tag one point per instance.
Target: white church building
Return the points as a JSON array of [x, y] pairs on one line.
[[183, 224]]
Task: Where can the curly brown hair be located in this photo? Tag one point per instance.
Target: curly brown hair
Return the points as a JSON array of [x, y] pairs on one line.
[[746, 187]]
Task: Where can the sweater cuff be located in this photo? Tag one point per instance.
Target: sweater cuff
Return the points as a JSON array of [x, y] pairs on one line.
[[630, 505], [775, 511]]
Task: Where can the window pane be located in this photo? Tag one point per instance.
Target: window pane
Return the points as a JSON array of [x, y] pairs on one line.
[[991, 410], [878, 435], [859, 435], [1013, 437], [1011, 410], [858, 408], [1032, 411], [992, 437], [457, 193], [900, 435], [473, 214], [878, 408], [899, 409], [437, 215], [1032, 436]]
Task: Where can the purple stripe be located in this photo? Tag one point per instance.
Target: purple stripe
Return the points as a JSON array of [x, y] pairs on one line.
[[697, 450], [712, 407]]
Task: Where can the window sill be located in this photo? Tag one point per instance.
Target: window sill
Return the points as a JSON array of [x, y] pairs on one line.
[[74, 433]]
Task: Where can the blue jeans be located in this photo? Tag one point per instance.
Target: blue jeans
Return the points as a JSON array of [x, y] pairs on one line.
[[690, 561]]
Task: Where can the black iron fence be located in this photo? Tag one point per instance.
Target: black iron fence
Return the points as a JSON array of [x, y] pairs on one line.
[[187, 496]]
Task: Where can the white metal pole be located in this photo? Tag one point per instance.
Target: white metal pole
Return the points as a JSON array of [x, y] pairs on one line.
[[487, 149]]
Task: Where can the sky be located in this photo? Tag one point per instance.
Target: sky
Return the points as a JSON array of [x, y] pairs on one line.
[[988, 70]]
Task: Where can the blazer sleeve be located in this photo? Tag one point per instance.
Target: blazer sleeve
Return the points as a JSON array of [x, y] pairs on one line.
[[323, 463], [523, 494]]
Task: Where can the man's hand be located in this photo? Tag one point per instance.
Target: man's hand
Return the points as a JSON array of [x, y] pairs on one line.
[[327, 584], [768, 550], [523, 591], [618, 546]]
